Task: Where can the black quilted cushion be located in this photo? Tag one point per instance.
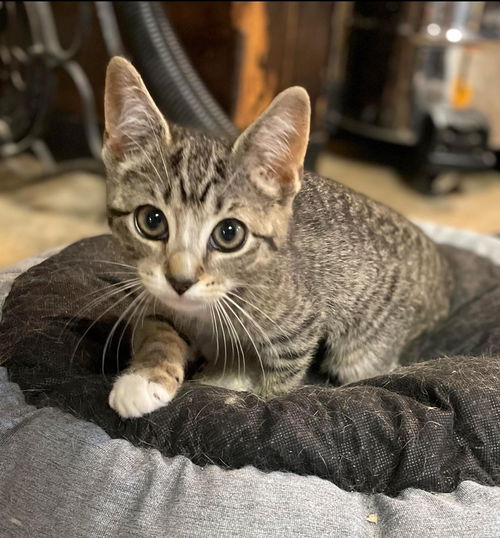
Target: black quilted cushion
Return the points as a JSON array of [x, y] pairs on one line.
[[430, 424]]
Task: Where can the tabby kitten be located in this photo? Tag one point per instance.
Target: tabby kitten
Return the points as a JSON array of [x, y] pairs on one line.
[[254, 264]]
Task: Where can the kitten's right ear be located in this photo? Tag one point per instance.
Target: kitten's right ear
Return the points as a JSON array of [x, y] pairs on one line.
[[131, 115]]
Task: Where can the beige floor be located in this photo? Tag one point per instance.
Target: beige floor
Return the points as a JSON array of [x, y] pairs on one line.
[[37, 217]]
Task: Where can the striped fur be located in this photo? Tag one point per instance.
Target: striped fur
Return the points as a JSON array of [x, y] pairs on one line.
[[322, 267]]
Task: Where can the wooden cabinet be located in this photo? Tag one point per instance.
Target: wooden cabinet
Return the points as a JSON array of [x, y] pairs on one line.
[[245, 52]]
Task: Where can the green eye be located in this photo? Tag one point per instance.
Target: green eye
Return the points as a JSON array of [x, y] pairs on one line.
[[151, 223], [228, 235]]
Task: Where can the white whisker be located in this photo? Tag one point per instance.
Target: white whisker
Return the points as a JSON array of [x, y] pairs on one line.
[[115, 326], [110, 286], [113, 263], [116, 303], [106, 296], [237, 342], [230, 333], [216, 331], [217, 309], [142, 296], [264, 334], [250, 338], [140, 318]]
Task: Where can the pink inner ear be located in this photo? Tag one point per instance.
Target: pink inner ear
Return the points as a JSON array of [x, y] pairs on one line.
[[277, 140], [288, 176], [128, 119], [277, 144], [131, 115]]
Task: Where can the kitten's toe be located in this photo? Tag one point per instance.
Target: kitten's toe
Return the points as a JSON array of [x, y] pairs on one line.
[[134, 395]]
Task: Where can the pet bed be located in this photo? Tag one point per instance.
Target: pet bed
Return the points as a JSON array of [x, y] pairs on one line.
[[367, 457]]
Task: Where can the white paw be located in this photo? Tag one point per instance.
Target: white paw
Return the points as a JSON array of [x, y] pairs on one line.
[[134, 395]]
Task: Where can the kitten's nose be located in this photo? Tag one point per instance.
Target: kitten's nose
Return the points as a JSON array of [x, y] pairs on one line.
[[180, 286]]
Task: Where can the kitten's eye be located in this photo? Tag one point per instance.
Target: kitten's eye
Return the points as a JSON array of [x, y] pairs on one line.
[[229, 235], [151, 222]]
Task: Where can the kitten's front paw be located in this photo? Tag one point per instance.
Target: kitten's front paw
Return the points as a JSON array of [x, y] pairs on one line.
[[134, 395]]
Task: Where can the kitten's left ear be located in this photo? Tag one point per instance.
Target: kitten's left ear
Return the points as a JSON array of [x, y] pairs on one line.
[[131, 116], [274, 146]]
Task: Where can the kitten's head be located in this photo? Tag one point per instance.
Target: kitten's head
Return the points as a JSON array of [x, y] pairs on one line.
[[199, 217]]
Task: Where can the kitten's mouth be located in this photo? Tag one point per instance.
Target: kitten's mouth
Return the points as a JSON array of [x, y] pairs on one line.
[[187, 302], [184, 303]]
